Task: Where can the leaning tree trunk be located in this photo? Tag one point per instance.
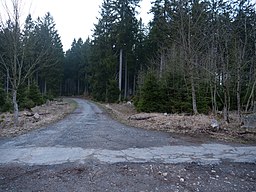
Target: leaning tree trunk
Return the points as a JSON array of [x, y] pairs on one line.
[[193, 95], [250, 97]]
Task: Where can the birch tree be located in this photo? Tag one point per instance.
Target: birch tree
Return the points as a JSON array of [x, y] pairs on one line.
[[12, 59]]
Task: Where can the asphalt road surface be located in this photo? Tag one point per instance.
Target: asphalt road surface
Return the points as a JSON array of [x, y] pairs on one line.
[[88, 151]]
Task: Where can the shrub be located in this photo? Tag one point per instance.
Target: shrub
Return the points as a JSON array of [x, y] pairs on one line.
[[29, 104], [22, 96], [7, 105], [152, 96], [99, 91], [34, 95], [112, 91], [29, 97]]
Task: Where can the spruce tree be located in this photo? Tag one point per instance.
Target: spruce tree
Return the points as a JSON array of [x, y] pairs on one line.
[[51, 66], [152, 96]]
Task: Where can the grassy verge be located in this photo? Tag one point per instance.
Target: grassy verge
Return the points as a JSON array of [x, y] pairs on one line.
[[197, 127], [49, 113]]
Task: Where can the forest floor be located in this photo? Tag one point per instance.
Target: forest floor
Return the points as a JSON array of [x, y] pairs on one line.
[[198, 126], [35, 118]]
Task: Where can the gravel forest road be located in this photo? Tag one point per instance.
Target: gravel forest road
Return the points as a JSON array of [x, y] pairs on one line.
[[88, 151]]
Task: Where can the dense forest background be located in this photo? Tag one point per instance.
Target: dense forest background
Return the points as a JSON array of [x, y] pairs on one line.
[[195, 56]]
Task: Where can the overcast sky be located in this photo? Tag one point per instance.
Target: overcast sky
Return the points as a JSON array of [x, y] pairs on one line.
[[74, 18]]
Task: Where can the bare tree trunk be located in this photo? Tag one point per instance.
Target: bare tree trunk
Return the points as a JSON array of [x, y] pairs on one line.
[[226, 108], [250, 97], [85, 86], [15, 107], [189, 57], [85, 90], [193, 91], [7, 84], [214, 97], [60, 93], [45, 88], [254, 106], [126, 80], [120, 73], [15, 83], [161, 64], [238, 91], [29, 82], [240, 60], [134, 84], [225, 104], [78, 87], [225, 78]]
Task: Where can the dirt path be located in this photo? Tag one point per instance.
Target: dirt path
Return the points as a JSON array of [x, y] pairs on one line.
[[88, 151]]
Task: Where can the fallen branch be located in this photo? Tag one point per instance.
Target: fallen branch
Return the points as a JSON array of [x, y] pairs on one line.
[[29, 114], [46, 113], [140, 118], [32, 114], [246, 132], [61, 103]]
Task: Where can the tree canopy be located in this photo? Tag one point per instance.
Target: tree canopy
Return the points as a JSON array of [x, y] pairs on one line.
[[195, 56]]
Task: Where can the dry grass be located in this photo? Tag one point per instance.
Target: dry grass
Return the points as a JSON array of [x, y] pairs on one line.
[[48, 113], [195, 125]]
